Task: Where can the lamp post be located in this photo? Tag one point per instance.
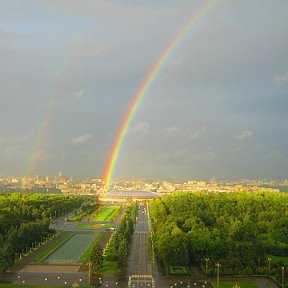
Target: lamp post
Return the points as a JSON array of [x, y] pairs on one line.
[[218, 265], [283, 274], [206, 266], [269, 264], [89, 272]]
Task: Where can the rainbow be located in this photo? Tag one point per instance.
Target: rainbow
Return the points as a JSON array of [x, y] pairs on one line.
[[41, 135], [142, 90]]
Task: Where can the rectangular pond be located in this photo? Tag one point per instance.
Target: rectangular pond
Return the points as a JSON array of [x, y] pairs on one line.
[[72, 250]]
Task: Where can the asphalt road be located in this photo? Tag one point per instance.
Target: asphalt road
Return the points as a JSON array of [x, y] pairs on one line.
[[139, 266], [55, 279]]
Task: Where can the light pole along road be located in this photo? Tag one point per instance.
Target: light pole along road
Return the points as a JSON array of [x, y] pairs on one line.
[[139, 265]]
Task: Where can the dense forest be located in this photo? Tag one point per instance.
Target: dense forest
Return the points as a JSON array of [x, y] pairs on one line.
[[25, 221], [237, 229]]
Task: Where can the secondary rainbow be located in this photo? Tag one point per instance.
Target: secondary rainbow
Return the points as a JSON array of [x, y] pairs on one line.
[[142, 90], [36, 155]]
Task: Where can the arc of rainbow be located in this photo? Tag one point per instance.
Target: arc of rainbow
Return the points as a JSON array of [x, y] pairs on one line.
[[42, 131], [142, 90]]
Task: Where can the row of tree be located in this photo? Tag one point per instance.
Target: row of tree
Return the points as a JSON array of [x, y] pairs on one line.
[[237, 229], [118, 249], [25, 221]]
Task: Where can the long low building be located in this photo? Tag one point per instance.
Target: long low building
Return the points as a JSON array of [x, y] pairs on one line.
[[127, 196]]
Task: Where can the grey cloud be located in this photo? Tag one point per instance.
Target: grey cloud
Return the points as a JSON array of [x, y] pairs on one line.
[[244, 134], [197, 133], [185, 132], [281, 79], [142, 128], [79, 94], [81, 139], [15, 140]]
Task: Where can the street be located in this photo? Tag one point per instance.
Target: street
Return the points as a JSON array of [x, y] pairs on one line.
[[139, 265]]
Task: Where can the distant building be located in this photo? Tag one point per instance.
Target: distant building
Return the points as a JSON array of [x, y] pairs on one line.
[[127, 196]]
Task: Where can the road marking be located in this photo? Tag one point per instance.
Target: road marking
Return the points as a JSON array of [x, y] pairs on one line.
[[145, 281]]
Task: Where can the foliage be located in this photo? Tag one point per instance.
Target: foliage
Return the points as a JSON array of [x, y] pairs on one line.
[[178, 270], [118, 246], [6, 256], [86, 255], [280, 259], [239, 229], [25, 220], [109, 267], [86, 208], [96, 257]]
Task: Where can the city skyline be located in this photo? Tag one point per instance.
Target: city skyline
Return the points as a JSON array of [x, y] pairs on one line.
[[69, 72]]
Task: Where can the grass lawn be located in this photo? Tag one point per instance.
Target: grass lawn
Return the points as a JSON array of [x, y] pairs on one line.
[[109, 267], [52, 248], [106, 213], [95, 226], [283, 259], [242, 284], [79, 216], [178, 270]]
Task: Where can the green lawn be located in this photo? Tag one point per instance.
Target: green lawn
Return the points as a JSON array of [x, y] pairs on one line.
[[178, 270], [230, 284], [109, 267], [95, 226], [283, 259], [78, 217], [52, 248], [106, 213], [72, 250]]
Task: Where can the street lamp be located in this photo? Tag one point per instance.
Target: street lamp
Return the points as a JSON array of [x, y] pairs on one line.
[[283, 274], [206, 266], [218, 265], [269, 264]]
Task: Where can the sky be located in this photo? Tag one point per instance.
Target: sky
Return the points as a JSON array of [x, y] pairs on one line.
[[69, 70]]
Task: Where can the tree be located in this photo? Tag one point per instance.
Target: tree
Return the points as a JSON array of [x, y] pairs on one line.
[[96, 257], [123, 251], [6, 257]]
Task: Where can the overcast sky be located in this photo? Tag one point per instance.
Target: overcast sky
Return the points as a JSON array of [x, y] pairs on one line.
[[69, 70]]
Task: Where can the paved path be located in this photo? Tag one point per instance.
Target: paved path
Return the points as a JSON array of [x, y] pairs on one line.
[[139, 266]]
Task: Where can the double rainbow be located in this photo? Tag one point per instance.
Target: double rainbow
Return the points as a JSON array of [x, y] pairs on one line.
[[141, 92]]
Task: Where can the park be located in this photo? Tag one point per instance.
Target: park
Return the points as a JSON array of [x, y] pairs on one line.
[[183, 235]]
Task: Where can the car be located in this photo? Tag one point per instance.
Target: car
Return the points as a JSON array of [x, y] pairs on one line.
[[110, 229]]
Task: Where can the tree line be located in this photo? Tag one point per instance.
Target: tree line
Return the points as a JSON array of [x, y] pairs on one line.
[[25, 221], [237, 229], [118, 247]]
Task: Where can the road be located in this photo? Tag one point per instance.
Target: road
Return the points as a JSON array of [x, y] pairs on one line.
[[139, 266]]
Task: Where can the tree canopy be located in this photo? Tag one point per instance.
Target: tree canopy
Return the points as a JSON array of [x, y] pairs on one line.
[[239, 229]]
